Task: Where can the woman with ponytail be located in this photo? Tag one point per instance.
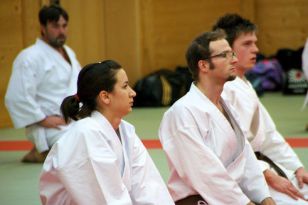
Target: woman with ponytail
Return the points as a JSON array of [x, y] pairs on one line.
[[100, 160]]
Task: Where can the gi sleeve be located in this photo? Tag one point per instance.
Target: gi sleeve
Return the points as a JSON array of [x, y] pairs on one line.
[[20, 98], [148, 186], [275, 147], [253, 182]]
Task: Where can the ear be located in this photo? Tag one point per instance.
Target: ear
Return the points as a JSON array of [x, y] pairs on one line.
[[203, 65], [103, 96], [43, 30]]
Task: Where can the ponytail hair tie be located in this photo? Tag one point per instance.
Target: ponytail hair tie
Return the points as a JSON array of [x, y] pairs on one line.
[[76, 97]]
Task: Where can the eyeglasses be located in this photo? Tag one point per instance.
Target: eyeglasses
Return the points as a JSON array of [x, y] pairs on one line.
[[225, 54]]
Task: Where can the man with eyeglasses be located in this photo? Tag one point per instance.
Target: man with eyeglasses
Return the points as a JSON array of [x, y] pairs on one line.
[[282, 169], [210, 160]]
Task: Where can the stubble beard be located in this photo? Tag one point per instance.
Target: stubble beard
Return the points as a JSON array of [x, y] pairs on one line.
[[231, 77], [57, 42]]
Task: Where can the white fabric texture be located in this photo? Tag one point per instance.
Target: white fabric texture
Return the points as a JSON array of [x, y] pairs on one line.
[[91, 165], [207, 156], [260, 130], [305, 69]]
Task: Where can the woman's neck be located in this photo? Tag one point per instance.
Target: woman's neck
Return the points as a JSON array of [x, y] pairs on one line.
[[112, 119]]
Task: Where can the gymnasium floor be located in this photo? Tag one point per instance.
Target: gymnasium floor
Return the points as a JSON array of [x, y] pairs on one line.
[[19, 182]]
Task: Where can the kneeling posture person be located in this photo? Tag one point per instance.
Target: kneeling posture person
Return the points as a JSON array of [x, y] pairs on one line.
[[100, 160], [211, 162], [284, 173]]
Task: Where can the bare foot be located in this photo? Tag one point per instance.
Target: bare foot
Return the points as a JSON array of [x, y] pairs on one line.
[[34, 156]]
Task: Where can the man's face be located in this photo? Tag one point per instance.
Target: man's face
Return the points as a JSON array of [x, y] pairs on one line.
[[222, 61], [246, 50], [55, 33]]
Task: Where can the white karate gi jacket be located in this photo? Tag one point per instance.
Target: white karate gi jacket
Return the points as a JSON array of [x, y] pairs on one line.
[[41, 78], [207, 156], [259, 127], [260, 130], [90, 165]]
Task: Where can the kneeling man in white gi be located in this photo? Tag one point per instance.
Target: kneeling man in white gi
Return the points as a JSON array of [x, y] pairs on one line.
[[283, 171], [211, 162]]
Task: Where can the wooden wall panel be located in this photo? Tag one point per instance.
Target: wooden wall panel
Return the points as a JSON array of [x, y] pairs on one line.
[[144, 35], [19, 28], [169, 26], [30, 22], [282, 24], [86, 29], [123, 36], [247, 9]]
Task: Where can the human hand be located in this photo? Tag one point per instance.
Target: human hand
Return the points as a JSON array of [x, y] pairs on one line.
[[302, 177], [52, 121], [251, 203], [268, 201], [282, 184]]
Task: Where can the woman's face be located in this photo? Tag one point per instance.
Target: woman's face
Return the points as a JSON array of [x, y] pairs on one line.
[[121, 98]]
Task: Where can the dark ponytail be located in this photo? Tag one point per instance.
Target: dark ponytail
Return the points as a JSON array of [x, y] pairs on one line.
[[70, 108], [92, 79]]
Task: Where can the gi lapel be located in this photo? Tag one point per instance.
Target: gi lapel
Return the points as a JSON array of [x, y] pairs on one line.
[[112, 138], [52, 53], [221, 138], [238, 132], [126, 174], [236, 168]]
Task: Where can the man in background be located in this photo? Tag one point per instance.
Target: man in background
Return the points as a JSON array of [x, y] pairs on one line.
[[283, 171], [42, 75]]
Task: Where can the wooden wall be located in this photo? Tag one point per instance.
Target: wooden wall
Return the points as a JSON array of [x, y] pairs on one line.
[[282, 24], [144, 35], [18, 29], [169, 26]]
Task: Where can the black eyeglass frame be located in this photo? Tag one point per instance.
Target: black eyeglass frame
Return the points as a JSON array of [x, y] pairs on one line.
[[225, 54]]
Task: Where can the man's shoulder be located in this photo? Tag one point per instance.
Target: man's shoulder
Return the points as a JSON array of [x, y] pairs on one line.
[[239, 88], [181, 102], [237, 82], [69, 49], [189, 103], [32, 52], [127, 125], [30, 49]]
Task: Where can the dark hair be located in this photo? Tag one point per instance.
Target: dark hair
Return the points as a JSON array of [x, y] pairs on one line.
[[51, 13], [92, 79], [234, 25], [199, 49]]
